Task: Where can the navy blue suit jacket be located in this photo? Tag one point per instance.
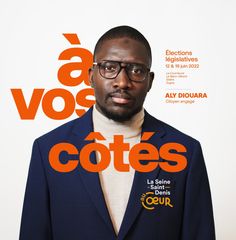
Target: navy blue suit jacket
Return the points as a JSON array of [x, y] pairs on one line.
[[71, 206]]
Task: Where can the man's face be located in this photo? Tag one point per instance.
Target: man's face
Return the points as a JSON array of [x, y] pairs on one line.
[[120, 98]]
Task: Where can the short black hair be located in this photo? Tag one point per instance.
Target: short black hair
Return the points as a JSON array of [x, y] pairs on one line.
[[123, 31]]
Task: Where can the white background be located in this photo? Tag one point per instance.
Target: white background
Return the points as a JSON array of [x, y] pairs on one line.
[[31, 41]]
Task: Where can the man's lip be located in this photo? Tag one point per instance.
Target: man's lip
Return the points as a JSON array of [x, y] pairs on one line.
[[120, 98]]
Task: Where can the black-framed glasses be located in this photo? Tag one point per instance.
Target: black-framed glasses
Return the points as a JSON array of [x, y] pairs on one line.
[[110, 69]]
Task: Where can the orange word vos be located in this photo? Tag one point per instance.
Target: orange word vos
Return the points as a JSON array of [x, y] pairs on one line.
[[171, 153], [65, 77]]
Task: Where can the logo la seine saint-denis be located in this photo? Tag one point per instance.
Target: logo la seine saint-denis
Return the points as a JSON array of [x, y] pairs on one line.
[[159, 194]]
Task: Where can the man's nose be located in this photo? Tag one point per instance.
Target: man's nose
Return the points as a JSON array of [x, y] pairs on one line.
[[122, 80]]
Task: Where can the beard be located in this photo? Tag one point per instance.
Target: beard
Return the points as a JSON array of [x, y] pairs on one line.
[[115, 116]]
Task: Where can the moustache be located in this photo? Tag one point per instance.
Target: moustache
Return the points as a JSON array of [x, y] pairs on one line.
[[120, 94]]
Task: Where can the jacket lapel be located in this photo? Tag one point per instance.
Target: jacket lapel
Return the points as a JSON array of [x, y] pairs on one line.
[[90, 180], [82, 127], [139, 186]]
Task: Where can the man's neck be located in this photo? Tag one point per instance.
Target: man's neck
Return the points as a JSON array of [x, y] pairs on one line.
[[109, 127]]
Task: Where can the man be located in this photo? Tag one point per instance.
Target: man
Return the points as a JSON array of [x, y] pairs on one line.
[[116, 204]]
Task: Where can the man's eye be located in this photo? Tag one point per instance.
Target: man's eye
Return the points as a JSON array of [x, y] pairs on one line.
[[110, 68], [137, 71]]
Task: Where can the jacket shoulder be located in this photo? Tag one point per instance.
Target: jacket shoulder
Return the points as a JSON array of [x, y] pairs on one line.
[[170, 133], [62, 133], [59, 133]]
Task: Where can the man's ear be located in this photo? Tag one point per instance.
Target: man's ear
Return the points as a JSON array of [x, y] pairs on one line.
[[91, 77], [151, 77]]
